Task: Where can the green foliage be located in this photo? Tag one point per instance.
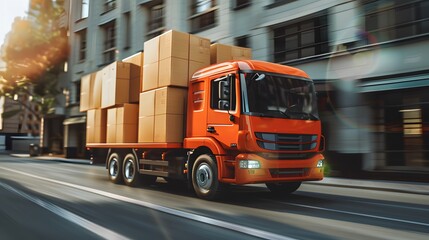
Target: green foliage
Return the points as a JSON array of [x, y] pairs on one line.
[[34, 52]]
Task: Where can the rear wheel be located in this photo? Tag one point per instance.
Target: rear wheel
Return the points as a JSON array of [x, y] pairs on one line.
[[204, 177], [131, 170], [114, 168], [283, 188]]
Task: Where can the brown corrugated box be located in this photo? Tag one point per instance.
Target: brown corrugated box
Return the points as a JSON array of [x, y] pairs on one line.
[[115, 84], [146, 129], [151, 49], [86, 83], [173, 72], [136, 75], [111, 125], [222, 52], [199, 49], [150, 76], [168, 128], [97, 90], [174, 44], [147, 104], [96, 126], [126, 123], [170, 100]]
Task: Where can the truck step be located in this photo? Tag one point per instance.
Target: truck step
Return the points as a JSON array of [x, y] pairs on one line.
[[154, 162], [154, 173]]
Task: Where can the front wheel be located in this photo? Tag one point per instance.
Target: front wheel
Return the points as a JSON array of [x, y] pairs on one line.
[[204, 177], [283, 188], [114, 168]]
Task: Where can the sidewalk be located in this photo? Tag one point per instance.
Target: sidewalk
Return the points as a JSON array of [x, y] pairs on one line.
[[381, 185], [54, 158]]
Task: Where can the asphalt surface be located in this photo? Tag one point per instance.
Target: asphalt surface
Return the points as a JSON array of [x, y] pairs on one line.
[[49, 199]]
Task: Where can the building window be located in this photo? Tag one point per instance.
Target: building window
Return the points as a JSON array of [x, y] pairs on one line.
[[82, 45], [276, 3], [156, 19], [77, 92], [299, 40], [412, 122], [242, 41], [84, 13], [239, 4], [389, 20], [203, 15], [109, 51], [109, 5]]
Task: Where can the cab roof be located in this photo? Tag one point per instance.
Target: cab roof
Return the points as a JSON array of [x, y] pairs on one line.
[[249, 65]]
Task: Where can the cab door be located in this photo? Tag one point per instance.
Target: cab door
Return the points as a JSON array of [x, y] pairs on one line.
[[223, 110]]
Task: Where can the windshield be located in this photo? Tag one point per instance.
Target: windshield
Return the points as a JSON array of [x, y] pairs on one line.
[[272, 95]]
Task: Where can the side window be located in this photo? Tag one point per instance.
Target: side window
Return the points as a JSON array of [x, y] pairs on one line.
[[223, 93]]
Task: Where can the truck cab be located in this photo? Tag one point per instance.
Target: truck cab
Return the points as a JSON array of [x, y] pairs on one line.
[[252, 122]]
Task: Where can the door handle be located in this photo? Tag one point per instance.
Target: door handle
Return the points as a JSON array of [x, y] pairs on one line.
[[211, 129]]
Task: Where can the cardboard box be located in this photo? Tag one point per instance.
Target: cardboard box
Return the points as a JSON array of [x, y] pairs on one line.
[[173, 72], [117, 70], [147, 104], [146, 129], [169, 128], [222, 52], [115, 84], [97, 90], [126, 133], [111, 125], [86, 85], [194, 67], [170, 100], [174, 44], [96, 124], [136, 75], [127, 114], [151, 50], [199, 49], [150, 76]]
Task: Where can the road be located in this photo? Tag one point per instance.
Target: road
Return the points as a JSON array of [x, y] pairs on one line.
[[42, 199]]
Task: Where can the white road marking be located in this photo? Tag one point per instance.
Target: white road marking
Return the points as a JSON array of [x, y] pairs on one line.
[[191, 216], [358, 214], [69, 216]]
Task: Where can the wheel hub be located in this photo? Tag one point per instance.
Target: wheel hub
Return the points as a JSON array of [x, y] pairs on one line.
[[204, 177], [113, 169], [129, 169]]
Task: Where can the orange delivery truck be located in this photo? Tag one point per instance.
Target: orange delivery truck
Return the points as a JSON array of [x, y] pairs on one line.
[[245, 122]]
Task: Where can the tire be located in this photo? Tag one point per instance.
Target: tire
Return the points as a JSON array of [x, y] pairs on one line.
[[114, 168], [204, 177], [130, 170], [283, 188]]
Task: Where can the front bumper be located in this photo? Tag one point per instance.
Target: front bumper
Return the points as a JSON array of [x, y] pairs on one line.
[[271, 170]]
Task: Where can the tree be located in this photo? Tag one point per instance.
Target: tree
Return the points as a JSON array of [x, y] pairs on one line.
[[34, 53]]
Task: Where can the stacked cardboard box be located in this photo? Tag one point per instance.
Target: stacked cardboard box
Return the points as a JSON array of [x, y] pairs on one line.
[[90, 95], [221, 53], [161, 115], [170, 60], [96, 126], [136, 75], [122, 124]]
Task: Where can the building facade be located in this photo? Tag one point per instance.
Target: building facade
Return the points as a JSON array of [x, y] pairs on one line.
[[368, 59]]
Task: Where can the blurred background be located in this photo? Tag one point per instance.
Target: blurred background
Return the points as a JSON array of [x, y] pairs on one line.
[[368, 59]]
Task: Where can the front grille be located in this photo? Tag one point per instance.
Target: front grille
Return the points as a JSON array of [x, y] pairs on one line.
[[287, 156], [286, 142], [289, 172]]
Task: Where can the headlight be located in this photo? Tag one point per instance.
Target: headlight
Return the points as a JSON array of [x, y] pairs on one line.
[[320, 164], [249, 164]]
